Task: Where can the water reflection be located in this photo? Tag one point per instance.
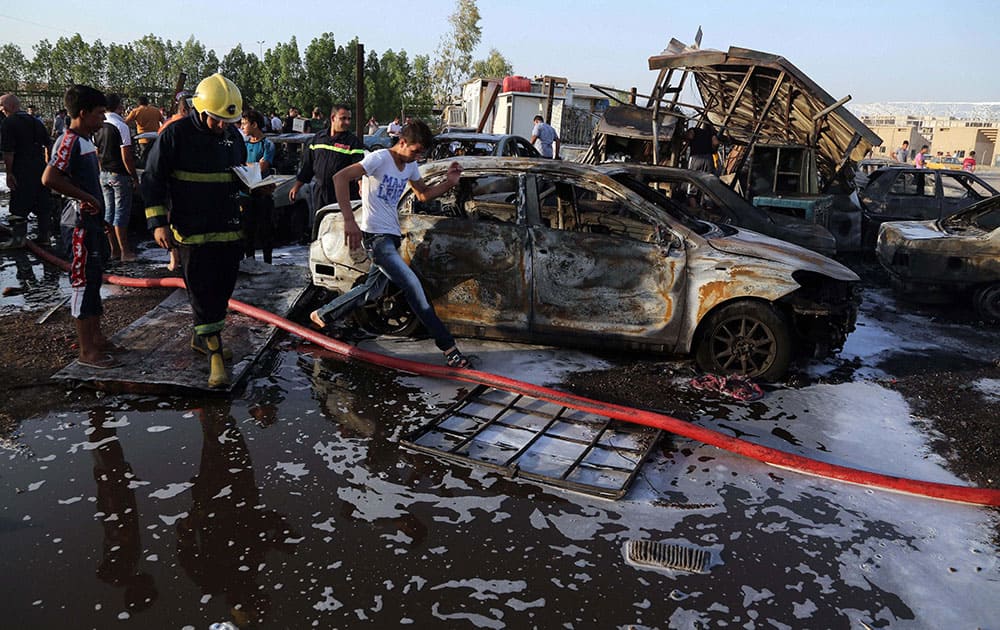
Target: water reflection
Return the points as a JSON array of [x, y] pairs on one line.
[[119, 516], [222, 541]]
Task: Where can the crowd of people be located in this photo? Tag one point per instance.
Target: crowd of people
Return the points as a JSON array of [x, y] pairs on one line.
[[195, 205]]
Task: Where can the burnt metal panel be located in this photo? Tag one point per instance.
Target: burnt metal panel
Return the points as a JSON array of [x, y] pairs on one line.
[[524, 437]]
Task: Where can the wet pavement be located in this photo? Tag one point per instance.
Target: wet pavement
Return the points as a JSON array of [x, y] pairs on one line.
[[292, 506]]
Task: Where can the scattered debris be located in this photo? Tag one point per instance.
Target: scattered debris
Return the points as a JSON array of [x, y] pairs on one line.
[[738, 387]]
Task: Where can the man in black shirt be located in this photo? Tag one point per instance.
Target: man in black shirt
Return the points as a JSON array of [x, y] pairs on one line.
[[328, 152], [703, 143], [25, 146]]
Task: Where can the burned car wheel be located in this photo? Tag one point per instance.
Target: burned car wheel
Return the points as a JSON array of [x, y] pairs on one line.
[[987, 300], [749, 338], [389, 314]]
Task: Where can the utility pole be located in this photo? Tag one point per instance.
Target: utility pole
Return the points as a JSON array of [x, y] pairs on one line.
[[260, 48], [359, 91]]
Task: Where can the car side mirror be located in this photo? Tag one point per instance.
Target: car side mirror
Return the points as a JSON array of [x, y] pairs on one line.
[[668, 240]]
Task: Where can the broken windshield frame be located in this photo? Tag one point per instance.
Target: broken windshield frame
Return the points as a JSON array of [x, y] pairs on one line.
[[984, 215], [661, 201]]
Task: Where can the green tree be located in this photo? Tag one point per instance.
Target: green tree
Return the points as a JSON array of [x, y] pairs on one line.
[[121, 72], [495, 66], [14, 69], [245, 70], [421, 93], [282, 75], [154, 59], [193, 59], [453, 60], [40, 69], [391, 89], [322, 65], [373, 68]]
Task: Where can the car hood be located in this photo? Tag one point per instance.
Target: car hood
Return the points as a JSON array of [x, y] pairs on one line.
[[810, 235], [754, 245], [914, 230]]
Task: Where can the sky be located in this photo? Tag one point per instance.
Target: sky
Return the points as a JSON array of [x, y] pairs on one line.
[[874, 50]]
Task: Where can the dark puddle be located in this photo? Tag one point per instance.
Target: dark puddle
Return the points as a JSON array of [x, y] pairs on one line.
[[292, 506]]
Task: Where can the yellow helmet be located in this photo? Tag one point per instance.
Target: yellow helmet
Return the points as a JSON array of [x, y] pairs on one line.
[[219, 97]]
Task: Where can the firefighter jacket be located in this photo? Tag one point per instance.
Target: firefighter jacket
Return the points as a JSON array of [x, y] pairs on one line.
[[324, 156], [189, 171]]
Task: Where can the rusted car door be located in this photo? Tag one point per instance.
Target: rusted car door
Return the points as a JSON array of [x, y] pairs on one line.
[[473, 266], [599, 266]]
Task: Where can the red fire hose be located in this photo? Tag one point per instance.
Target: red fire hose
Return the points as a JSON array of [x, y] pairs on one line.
[[774, 457]]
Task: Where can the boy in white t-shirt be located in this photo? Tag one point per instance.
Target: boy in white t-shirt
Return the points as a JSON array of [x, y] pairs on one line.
[[384, 175]]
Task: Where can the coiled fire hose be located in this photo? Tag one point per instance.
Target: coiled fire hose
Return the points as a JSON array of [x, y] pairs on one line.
[[765, 454]]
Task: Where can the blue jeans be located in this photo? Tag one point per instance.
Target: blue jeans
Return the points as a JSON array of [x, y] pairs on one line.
[[383, 249], [117, 189]]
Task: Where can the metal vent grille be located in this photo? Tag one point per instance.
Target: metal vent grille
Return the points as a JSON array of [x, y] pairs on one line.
[[662, 555]]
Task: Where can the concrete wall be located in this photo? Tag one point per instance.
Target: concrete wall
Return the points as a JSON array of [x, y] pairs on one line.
[[892, 139]]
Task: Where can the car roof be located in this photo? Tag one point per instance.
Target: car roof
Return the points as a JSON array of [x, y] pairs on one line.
[[521, 164], [466, 135]]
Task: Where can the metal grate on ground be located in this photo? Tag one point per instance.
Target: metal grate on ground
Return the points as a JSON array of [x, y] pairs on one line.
[[524, 437]]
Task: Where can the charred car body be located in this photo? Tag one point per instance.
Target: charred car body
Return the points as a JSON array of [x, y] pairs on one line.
[[960, 254], [562, 253], [905, 193]]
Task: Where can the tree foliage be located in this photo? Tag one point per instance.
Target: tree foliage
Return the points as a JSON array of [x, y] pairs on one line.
[[495, 66], [453, 61], [396, 83]]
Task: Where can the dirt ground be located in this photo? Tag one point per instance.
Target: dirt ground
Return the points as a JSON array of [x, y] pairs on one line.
[[31, 352], [968, 435]]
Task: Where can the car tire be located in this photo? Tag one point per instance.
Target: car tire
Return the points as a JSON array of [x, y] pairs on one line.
[[376, 147], [746, 337], [389, 314], [987, 301]]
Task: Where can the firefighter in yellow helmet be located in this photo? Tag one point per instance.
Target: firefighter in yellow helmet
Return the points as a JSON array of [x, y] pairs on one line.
[[189, 171]]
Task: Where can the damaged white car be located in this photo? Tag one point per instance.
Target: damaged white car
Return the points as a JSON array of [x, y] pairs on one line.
[[552, 252]]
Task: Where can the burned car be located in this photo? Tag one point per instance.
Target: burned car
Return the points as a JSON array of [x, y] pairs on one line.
[[560, 253], [448, 145], [706, 197], [932, 260], [917, 194], [868, 166]]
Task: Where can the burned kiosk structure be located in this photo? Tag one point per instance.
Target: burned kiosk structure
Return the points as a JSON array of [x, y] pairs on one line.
[[788, 146], [791, 147]]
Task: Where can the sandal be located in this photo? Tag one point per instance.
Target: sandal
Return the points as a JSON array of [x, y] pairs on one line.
[[455, 359], [320, 322]]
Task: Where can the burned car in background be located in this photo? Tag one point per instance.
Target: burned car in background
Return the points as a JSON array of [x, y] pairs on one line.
[[553, 252], [378, 140], [706, 197], [936, 260], [906, 193], [868, 166], [449, 145]]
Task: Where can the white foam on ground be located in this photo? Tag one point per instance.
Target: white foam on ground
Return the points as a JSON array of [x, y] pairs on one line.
[[928, 553]]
